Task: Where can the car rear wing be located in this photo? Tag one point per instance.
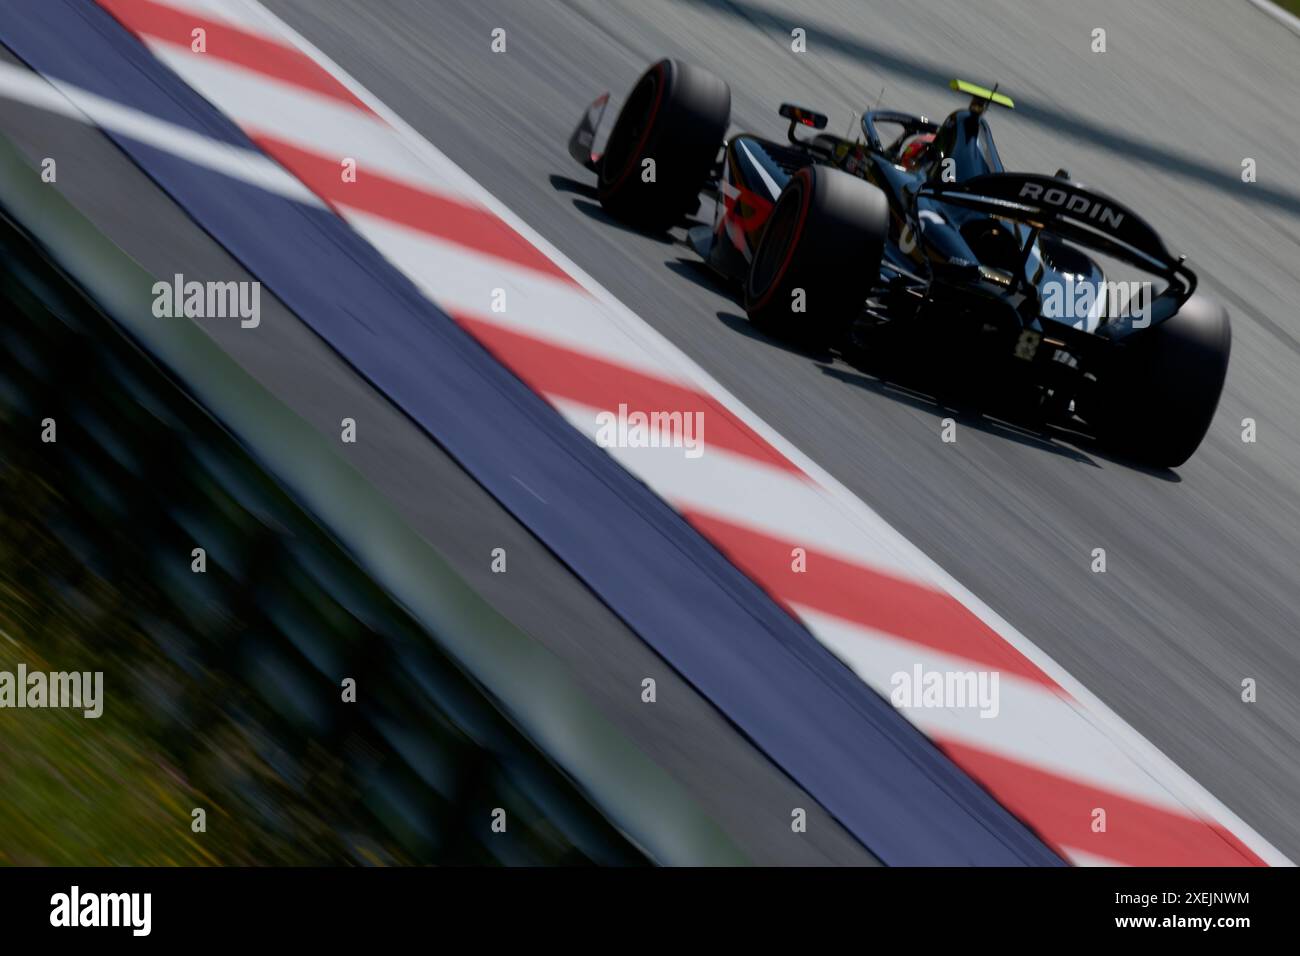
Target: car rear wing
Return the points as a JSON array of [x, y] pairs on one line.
[[1074, 213]]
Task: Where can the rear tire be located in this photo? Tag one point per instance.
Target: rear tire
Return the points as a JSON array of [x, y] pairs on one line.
[[676, 115], [824, 237], [1157, 400]]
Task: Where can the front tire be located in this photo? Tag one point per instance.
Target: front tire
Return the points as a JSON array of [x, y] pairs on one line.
[[677, 116], [819, 256], [1156, 402]]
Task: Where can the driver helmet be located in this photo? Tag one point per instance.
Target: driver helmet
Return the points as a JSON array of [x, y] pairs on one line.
[[914, 150]]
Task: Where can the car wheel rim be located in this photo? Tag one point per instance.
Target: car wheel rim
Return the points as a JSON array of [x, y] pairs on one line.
[[633, 124], [777, 236]]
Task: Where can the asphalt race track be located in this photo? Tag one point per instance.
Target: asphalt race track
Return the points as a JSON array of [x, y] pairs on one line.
[[1202, 575]]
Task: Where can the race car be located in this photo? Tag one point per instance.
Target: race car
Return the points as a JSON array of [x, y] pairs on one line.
[[833, 238]]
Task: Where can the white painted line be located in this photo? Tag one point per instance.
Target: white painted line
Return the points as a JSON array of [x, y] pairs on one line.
[[1290, 20], [20, 84]]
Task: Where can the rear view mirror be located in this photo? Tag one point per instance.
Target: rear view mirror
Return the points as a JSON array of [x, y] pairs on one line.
[[797, 114]]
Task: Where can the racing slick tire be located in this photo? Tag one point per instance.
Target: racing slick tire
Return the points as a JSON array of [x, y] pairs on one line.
[[818, 257], [1156, 401], [677, 116]]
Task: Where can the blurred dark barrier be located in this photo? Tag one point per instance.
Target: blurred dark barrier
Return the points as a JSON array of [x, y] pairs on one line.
[[222, 689]]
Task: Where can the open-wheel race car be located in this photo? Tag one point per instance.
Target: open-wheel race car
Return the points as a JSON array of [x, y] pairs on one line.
[[830, 237]]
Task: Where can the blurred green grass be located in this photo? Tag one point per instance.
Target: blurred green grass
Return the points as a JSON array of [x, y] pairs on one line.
[[220, 688], [119, 789], [77, 791]]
